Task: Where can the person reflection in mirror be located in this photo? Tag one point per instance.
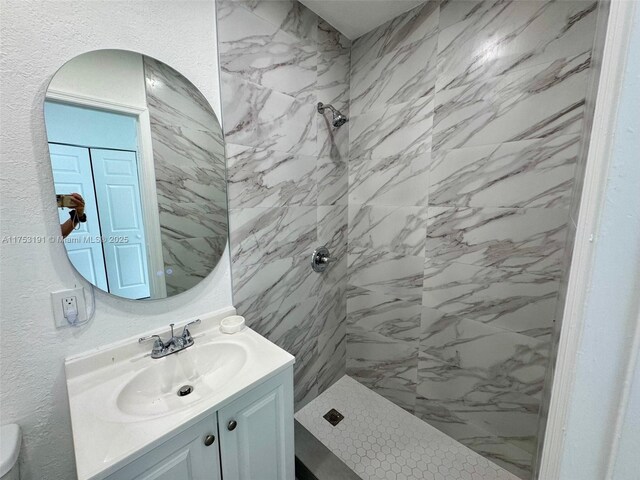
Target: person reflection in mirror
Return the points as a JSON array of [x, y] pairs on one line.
[[75, 216]]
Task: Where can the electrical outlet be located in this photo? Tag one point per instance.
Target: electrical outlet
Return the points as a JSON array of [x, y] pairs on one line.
[[65, 303]]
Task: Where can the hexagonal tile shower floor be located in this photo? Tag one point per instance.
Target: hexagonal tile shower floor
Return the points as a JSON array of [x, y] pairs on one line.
[[379, 440]]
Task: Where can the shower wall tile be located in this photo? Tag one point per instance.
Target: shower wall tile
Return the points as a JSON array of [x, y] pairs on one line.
[[332, 224], [398, 230], [403, 129], [389, 367], [519, 302], [402, 75], [527, 173], [530, 103], [397, 34], [474, 110], [394, 180], [264, 234], [332, 180], [467, 397], [499, 359], [289, 16], [278, 300], [288, 179], [399, 276], [257, 116], [334, 60], [267, 178], [384, 315], [479, 40], [332, 311], [261, 52], [332, 87], [524, 239]]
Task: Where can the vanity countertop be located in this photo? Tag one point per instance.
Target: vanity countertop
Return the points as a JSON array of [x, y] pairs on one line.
[[123, 402]]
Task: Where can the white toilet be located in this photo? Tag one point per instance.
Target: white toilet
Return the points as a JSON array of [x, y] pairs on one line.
[[10, 439]]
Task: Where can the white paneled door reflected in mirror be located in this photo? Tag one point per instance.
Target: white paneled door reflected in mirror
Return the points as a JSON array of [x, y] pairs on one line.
[[138, 163]]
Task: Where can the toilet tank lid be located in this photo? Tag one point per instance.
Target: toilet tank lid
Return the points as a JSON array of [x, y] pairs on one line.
[[10, 439]]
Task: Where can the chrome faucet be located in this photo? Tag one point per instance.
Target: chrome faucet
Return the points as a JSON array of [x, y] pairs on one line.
[[174, 344]]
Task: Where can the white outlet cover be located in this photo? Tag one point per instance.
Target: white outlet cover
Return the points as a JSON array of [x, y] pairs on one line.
[[58, 309]]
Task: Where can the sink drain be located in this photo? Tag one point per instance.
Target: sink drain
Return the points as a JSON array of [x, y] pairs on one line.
[[185, 390]]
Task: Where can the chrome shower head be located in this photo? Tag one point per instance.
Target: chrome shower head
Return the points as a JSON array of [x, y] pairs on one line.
[[338, 118]]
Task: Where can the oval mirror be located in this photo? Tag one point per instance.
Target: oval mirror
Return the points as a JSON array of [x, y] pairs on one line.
[[138, 164]]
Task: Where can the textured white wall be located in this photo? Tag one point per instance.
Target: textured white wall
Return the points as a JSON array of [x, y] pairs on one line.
[[37, 38], [601, 435]]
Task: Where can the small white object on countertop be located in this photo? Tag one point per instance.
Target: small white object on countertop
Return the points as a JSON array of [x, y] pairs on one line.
[[232, 324]]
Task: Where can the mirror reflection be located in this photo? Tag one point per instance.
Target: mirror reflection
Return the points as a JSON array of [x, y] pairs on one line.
[[137, 156]]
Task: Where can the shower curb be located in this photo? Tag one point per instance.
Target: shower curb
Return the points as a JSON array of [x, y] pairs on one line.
[[314, 461]]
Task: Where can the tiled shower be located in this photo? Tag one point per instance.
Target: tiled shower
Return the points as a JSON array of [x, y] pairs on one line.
[[446, 200]]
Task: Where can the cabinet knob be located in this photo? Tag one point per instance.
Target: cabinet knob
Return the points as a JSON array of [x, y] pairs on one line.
[[232, 425], [209, 439]]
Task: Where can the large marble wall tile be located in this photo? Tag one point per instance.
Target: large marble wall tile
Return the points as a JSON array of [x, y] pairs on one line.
[[400, 76], [266, 178], [398, 230], [331, 312], [265, 234], [479, 40], [288, 15], [530, 103], [526, 239], [332, 230], [399, 276], [389, 367], [500, 360], [386, 316], [403, 129], [334, 61], [279, 301], [260, 117], [528, 173], [403, 31], [332, 355], [512, 300], [332, 180], [332, 87], [332, 142], [394, 180], [262, 53]]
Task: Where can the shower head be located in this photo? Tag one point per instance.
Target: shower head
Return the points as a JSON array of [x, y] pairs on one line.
[[338, 118]]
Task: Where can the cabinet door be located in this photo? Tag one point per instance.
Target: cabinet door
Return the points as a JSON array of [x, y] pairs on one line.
[[256, 432], [183, 457]]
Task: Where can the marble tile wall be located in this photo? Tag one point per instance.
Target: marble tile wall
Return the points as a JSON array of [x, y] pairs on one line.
[[466, 129], [188, 152], [287, 177]]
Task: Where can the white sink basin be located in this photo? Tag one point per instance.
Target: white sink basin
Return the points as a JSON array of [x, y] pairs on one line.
[[154, 390]]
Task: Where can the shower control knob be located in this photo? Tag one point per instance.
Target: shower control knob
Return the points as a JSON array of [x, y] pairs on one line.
[[320, 259], [232, 425], [209, 439]]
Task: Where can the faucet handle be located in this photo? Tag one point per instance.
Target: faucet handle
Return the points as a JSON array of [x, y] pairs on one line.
[[158, 345], [185, 330]]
